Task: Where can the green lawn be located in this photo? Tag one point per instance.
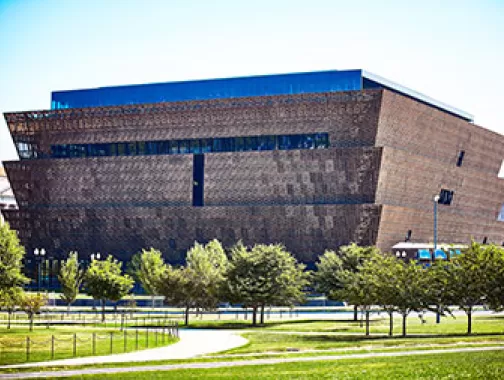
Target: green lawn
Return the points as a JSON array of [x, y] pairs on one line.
[[88, 341], [474, 365]]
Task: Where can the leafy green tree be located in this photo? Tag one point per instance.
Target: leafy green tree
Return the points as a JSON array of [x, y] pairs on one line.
[[104, 281], [32, 304], [494, 262], [411, 286], [10, 299], [148, 270], [359, 288], [469, 278], [333, 267], [177, 288], [198, 284], [328, 276], [381, 274], [264, 275], [11, 256], [70, 278], [352, 257], [438, 298]]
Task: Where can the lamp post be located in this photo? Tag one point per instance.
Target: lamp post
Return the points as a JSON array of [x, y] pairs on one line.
[[95, 256], [39, 256], [436, 200]]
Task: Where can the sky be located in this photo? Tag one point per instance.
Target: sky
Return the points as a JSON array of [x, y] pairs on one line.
[[452, 51]]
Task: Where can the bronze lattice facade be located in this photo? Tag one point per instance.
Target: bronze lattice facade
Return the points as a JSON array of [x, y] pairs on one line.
[[372, 181]]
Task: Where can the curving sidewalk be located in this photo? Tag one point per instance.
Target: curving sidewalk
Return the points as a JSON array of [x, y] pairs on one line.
[[224, 364], [192, 343]]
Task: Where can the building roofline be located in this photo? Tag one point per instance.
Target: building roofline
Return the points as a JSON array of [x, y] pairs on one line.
[[417, 95]]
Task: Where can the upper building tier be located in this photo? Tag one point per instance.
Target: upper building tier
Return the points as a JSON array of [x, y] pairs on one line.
[[279, 84]]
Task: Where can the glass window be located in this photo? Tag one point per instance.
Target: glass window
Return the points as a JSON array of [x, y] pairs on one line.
[[206, 145], [321, 140], [141, 148], [113, 149], [308, 142], [195, 146], [251, 143], [184, 146], [174, 147], [122, 149], [239, 144], [266, 142], [283, 142], [132, 149]]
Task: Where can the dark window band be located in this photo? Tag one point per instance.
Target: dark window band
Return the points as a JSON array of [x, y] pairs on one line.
[[193, 146]]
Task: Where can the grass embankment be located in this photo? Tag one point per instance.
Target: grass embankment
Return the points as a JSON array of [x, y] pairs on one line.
[[73, 342], [476, 365]]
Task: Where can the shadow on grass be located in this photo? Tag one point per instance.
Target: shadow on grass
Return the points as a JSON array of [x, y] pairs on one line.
[[363, 338], [248, 325]]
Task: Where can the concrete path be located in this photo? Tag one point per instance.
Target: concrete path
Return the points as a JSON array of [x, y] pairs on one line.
[[171, 367], [192, 343]]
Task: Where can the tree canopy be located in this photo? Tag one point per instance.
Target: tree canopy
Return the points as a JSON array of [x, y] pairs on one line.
[[11, 256], [70, 278], [104, 281], [264, 275]]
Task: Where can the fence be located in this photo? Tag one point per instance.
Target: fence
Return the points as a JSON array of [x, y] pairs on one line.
[[68, 345], [142, 318]]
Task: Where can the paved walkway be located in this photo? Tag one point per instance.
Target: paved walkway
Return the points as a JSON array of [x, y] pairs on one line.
[[192, 343], [171, 367]]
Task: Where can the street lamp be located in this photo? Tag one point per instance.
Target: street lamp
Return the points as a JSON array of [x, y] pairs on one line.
[[436, 200], [39, 256], [95, 256]]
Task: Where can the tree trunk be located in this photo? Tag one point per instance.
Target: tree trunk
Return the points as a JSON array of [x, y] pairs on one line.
[[404, 316], [9, 319], [262, 314], [187, 316], [31, 322], [469, 321], [103, 310], [355, 311], [391, 323], [367, 322], [254, 316]]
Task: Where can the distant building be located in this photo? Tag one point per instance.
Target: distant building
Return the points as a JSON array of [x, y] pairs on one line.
[[7, 199], [311, 160]]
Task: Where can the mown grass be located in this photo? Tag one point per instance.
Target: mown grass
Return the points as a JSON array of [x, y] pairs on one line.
[[475, 365], [14, 342]]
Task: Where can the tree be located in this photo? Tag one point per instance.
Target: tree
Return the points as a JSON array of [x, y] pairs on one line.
[[359, 289], [328, 277], [148, 268], [104, 281], [468, 278], [410, 284], [379, 271], [178, 290], [438, 297], [32, 304], [11, 256], [494, 262], [199, 283], [333, 267], [10, 299], [70, 278], [264, 275]]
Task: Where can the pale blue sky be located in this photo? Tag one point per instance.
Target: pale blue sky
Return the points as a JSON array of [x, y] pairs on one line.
[[450, 50]]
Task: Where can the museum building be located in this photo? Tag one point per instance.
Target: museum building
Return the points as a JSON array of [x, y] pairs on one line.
[[311, 160]]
